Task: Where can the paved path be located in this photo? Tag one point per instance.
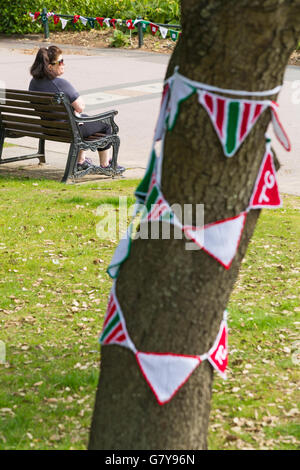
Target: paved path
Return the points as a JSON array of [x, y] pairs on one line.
[[131, 81]]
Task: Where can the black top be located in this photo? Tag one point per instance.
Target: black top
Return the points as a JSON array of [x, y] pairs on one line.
[[54, 86]]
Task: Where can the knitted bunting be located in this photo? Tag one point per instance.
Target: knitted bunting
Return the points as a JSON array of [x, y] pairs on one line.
[[113, 22], [163, 32], [161, 122], [180, 92], [91, 22], [218, 354], [56, 19], [232, 119], [100, 20], [114, 327], [143, 188], [63, 22], [219, 239], [121, 254], [154, 28], [130, 24], [76, 18], [83, 20], [165, 373], [266, 192], [278, 128], [174, 35], [156, 206]]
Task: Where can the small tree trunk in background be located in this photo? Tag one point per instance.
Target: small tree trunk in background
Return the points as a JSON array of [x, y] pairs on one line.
[[173, 299]]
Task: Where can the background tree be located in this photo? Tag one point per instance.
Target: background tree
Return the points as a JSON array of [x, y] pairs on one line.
[[173, 299]]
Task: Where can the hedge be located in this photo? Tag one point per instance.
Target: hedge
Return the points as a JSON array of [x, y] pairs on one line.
[[15, 18]]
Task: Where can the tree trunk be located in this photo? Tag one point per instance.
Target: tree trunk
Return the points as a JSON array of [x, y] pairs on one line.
[[173, 299]]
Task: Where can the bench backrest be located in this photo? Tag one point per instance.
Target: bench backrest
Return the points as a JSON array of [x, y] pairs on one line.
[[36, 114]]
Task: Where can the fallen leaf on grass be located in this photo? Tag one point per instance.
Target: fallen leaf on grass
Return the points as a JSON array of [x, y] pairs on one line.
[[7, 411]]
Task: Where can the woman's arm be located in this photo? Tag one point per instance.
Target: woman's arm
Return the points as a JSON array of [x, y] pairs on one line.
[[78, 105]]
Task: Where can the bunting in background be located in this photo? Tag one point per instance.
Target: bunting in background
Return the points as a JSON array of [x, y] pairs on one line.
[[100, 21], [63, 22], [154, 28], [131, 24]]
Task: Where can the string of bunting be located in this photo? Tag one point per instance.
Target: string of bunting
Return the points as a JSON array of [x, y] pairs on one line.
[[108, 22], [232, 119]]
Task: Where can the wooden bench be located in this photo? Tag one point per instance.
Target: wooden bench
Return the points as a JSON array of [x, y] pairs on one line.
[[50, 116]]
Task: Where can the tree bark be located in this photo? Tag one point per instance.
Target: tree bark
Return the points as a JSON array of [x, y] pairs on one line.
[[173, 299]]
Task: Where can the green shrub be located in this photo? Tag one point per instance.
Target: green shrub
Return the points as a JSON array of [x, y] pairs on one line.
[[15, 18], [119, 39]]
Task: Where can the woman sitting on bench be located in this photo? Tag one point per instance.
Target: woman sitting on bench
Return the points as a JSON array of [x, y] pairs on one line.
[[46, 70]]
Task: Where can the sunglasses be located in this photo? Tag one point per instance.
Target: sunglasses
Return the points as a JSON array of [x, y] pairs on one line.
[[59, 62]]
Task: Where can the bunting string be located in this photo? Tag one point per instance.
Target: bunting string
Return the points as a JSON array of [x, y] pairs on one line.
[[110, 22]]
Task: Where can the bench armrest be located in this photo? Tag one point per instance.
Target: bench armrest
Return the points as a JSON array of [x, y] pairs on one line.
[[107, 116], [96, 117]]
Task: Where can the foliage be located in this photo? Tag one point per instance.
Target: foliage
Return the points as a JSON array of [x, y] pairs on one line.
[[15, 18], [119, 39], [53, 296]]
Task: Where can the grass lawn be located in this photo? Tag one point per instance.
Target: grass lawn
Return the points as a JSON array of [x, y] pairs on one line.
[[53, 297]]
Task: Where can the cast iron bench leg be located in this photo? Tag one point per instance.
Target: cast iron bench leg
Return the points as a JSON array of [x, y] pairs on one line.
[[71, 162], [41, 151]]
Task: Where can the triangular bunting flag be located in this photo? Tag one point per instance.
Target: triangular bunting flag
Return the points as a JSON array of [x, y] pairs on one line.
[[232, 119], [143, 188], [154, 28], [113, 22], [114, 327], [174, 35], [278, 129], [163, 31], [219, 239], [156, 206], [91, 22], [129, 24], [218, 354], [100, 21], [180, 92], [161, 122], [63, 22], [107, 22], [266, 192], [36, 15], [166, 373], [56, 19], [76, 18], [121, 253], [83, 20]]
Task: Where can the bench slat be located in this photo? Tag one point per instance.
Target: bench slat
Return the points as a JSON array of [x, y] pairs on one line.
[[56, 124], [35, 106], [32, 112], [20, 133], [40, 129], [20, 92], [26, 97]]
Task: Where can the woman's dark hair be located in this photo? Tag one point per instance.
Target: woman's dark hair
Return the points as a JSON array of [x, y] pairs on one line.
[[45, 56]]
